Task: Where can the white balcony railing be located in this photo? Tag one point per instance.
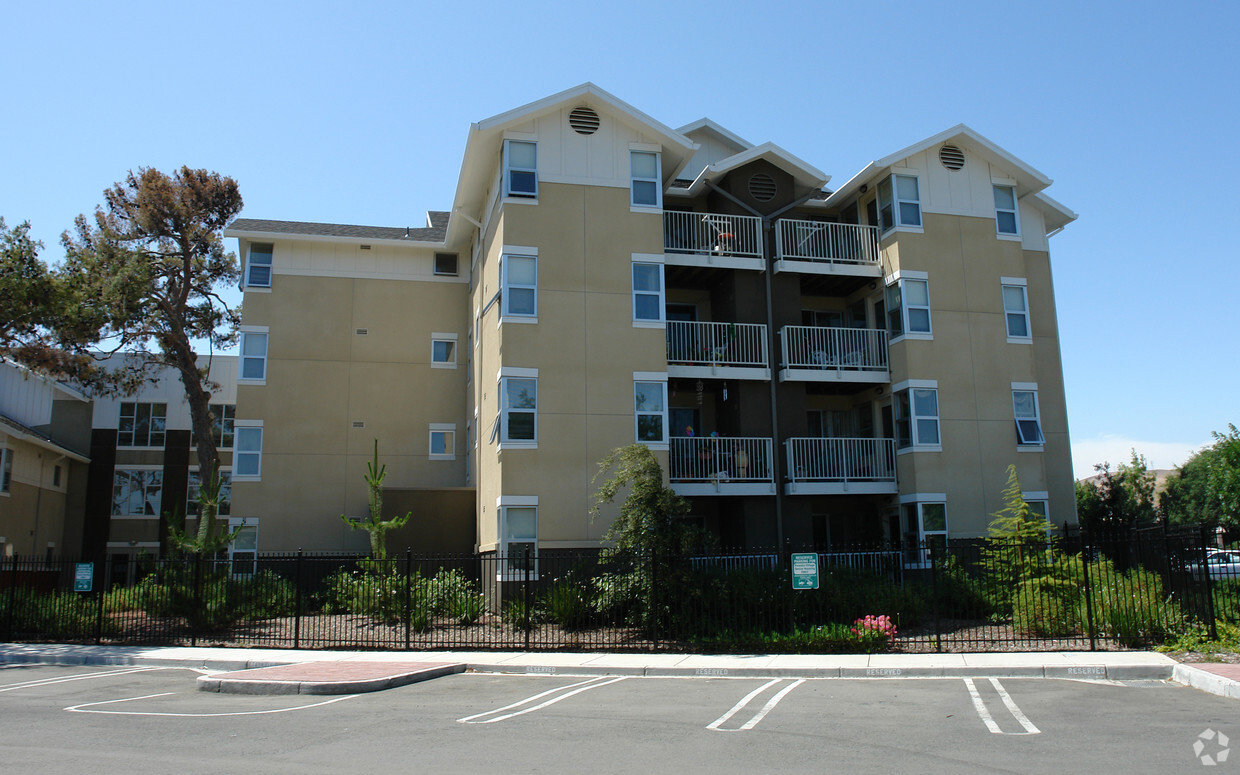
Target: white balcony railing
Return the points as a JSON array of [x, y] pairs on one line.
[[716, 344], [711, 234], [832, 243], [841, 349], [720, 459], [841, 460]]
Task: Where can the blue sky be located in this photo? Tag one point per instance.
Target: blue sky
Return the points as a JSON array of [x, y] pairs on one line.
[[358, 112]]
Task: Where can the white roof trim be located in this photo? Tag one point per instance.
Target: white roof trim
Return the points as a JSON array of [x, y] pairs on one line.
[[800, 169], [39, 441], [726, 134], [295, 237]]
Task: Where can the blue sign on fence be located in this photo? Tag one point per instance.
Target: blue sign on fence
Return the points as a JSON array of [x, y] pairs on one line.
[[83, 577], [805, 571]]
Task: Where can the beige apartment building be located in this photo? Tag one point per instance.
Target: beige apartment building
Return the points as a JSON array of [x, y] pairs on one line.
[[813, 366]]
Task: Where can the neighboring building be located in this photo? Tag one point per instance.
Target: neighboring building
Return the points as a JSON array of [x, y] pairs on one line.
[[811, 366], [44, 435], [144, 469]]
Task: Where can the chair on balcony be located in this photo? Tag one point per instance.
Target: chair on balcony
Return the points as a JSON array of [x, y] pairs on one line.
[[721, 232]]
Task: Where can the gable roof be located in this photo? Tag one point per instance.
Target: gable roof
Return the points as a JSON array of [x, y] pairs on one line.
[[707, 125], [431, 235], [802, 172]]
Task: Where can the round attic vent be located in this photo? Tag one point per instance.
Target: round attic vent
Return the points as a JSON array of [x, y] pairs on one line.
[[762, 187], [584, 121], [951, 157]]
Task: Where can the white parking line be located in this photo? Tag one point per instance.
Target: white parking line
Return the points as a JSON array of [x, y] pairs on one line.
[[980, 706], [577, 688], [79, 708], [78, 677], [753, 722]]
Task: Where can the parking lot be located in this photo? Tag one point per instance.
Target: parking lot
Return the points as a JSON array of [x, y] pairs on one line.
[[102, 719]]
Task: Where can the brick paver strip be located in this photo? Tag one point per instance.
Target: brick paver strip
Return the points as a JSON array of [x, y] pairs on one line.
[[1218, 668]]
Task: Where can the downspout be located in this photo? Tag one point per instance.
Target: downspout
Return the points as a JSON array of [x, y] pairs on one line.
[[768, 226]]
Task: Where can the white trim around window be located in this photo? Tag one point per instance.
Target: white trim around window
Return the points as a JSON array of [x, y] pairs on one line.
[[517, 420], [908, 306], [520, 169], [443, 350], [648, 295], [247, 450], [645, 179], [518, 288], [915, 407], [258, 265], [1007, 211], [1028, 417], [517, 531], [650, 409], [252, 361], [1016, 310], [442, 441], [899, 202]]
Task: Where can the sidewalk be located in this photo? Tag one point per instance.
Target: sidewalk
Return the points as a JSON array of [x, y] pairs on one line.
[[351, 671]]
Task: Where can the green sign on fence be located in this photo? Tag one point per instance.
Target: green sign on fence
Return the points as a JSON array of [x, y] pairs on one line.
[[805, 571], [83, 576]]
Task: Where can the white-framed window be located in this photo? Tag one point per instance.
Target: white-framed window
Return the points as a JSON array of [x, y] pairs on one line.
[[1028, 419], [253, 366], [647, 292], [520, 286], [243, 550], [518, 530], [137, 492], [908, 308], [445, 264], [192, 506], [917, 417], [1016, 310], [899, 202], [645, 179], [519, 409], [650, 412], [258, 265], [247, 450], [222, 417], [443, 351], [1038, 503], [142, 425], [925, 524], [520, 168], [1007, 218], [443, 441], [6, 470]]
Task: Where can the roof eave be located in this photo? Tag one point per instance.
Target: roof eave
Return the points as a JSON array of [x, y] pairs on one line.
[[296, 237]]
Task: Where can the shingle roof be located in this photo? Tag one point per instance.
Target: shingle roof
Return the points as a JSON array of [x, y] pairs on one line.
[[433, 233]]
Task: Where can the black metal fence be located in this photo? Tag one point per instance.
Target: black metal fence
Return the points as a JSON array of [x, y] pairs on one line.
[[1069, 592]]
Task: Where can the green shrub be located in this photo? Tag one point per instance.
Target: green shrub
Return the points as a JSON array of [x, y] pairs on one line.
[[568, 603], [267, 595], [516, 615], [440, 592], [467, 607], [380, 596], [208, 601], [1132, 606], [55, 614], [833, 638], [1047, 607]]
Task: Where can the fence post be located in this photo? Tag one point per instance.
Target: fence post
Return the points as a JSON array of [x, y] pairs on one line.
[[103, 586], [1089, 594], [654, 600], [525, 600], [8, 630], [788, 590], [934, 594], [1205, 571], [297, 600], [196, 611], [408, 578]]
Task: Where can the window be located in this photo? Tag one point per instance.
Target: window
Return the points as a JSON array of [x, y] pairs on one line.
[[253, 355], [519, 409], [645, 179], [1038, 509], [222, 416], [57, 473], [142, 425], [258, 266], [926, 528], [445, 263], [192, 506], [650, 409], [519, 530], [243, 551], [520, 169], [908, 307], [905, 205], [1006, 219], [648, 292], [1028, 424], [1016, 311], [520, 286], [6, 470], [917, 417], [443, 441], [137, 492], [248, 452], [443, 351]]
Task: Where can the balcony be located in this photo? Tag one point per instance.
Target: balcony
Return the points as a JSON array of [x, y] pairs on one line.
[[717, 465], [819, 354], [841, 466], [713, 240], [812, 247], [717, 350]]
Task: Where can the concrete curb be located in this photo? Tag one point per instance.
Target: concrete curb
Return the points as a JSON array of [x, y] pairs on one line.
[[1150, 672], [233, 685], [1206, 681]]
